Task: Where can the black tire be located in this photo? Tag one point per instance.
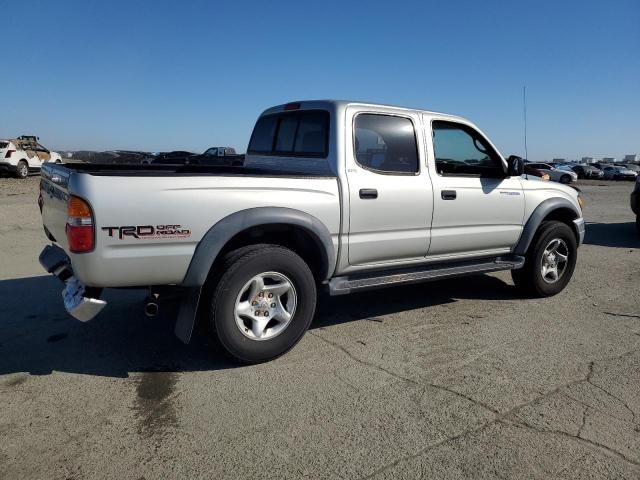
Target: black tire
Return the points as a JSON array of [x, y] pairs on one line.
[[22, 170], [638, 224], [239, 267], [529, 278], [566, 179]]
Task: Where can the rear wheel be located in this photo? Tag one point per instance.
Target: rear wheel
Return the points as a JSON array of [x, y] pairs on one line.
[[550, 261], [263, 302], [22, 170]]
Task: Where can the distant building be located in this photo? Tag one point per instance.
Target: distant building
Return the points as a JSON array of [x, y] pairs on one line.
[[609, 160], [588, 160], [632, 158], [559, 160]]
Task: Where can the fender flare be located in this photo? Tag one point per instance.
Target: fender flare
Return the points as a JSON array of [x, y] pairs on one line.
[[536, 218], [217, 237]]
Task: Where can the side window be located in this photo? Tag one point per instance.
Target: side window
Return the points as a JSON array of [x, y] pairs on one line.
[[385, 144], [460, 150]]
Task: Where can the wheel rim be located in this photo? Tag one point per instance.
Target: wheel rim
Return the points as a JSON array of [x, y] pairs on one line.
[[23, 170], [555, 259], [265, 306]]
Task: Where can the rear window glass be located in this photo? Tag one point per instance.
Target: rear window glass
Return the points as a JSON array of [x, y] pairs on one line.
[[298, 134], [4, 144]]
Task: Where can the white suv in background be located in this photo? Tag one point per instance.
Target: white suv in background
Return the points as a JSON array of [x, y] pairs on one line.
[[24, 154]]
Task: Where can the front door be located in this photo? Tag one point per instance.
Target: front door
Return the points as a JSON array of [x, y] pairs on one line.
[[478, 209], [390, 196]]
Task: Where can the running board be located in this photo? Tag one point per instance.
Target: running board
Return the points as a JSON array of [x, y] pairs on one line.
[[424, 273]]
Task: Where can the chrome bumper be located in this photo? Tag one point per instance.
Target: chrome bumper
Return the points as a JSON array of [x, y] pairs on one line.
[[55, 261]]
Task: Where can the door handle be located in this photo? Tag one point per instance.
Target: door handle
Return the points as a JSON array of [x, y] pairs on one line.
[[368, 193], [448, 194]]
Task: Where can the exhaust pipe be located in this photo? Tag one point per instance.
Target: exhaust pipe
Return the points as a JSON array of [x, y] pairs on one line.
[[151, 308]]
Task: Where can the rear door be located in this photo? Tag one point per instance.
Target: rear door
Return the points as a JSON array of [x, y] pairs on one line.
[[43, 154], [478, 209], [390, 195], [31, 149]]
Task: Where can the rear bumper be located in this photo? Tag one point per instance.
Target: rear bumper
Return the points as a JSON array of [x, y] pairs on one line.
[[580, 229], [77, 301]]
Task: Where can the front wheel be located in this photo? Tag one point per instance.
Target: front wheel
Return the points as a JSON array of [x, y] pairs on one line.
[[550, 261], [566, 179], [263, 302]]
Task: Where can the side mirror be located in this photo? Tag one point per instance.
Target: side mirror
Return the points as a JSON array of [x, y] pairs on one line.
[[515, 166]]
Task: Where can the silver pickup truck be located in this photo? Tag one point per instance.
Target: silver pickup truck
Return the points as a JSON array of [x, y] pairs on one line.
[[339, 195]]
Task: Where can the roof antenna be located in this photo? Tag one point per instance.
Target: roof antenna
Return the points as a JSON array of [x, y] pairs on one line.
[[524, 104]]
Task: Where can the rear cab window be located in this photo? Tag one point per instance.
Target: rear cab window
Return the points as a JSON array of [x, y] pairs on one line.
[[303, 133]]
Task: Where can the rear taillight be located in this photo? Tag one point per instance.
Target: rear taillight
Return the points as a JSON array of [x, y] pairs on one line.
[[8, 154], [80, 232]]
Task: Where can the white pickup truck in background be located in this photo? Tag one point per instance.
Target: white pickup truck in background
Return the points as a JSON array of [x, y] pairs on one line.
[[340, 195], [22, 155]]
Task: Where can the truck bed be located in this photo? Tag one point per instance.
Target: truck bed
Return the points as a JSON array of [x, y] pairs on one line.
[[187, 199]]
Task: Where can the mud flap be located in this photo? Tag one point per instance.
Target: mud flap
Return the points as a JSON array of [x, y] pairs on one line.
[[187, 314]]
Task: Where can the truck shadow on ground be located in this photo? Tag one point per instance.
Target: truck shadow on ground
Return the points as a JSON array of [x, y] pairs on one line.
[[620, 235], [38, 337]]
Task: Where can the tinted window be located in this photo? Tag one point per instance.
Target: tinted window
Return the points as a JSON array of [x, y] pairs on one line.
[[311, 134], [385, 143], [460, 150], [286, 133], [300, 134]]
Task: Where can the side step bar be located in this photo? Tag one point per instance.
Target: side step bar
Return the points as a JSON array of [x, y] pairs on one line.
[[423, 273]]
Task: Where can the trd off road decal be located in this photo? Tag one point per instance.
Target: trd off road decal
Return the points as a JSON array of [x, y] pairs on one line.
[[148, 232]]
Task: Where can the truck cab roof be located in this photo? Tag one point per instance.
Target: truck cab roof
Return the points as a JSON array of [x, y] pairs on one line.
[[341, 105]]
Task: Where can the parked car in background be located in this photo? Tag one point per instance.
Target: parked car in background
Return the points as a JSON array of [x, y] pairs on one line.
[[222, 156], [631, 166], [19, 156], [587, 171], [618, 173], [529, 170], [635, 203], [122, 157], [176, 157], [602, 165], [555, 174]]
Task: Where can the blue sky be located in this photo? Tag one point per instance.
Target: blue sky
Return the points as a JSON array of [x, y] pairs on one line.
[[158, 75]]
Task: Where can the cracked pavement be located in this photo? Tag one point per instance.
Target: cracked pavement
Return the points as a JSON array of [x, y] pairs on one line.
[[452, 379]]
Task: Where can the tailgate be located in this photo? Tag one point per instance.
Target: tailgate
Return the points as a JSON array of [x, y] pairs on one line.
[[54, 194]]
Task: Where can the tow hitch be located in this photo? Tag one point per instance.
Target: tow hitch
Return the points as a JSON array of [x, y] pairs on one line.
[[77, 301]]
